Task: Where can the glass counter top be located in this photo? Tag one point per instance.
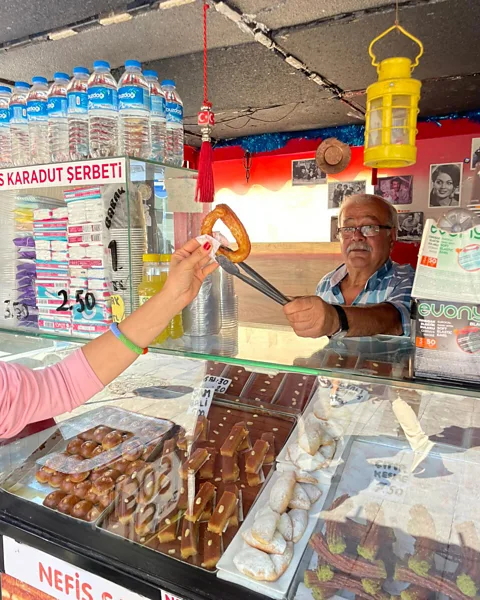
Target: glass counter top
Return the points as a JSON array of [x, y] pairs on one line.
[[273, 348]]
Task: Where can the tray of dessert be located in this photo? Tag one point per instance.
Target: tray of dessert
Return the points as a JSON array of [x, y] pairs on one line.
[[202, 486], [288, 392], [265, 553], [317, 442], [397, 523], [78, 476]]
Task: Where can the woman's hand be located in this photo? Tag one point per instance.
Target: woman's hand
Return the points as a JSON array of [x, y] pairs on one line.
[[189, 267]]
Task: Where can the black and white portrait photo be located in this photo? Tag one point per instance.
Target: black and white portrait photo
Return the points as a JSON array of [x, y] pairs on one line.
[[475, 154], [410, 226], [338, 190], [306, 172], [396, 190], [445, 184]]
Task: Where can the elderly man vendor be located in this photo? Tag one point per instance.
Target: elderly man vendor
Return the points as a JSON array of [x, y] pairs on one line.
[[368, 294]]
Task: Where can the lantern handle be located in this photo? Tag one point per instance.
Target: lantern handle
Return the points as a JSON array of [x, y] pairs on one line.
[[406, 33]]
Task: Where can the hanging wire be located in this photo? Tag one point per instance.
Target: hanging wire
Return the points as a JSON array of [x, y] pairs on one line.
[[205, 46], [397, 22]]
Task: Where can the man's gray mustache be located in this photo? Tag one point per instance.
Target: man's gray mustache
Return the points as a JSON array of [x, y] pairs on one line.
[[359, 246]]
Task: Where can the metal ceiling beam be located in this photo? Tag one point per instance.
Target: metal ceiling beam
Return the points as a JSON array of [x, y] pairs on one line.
[[346, 17], [263, 35], [134, 8]]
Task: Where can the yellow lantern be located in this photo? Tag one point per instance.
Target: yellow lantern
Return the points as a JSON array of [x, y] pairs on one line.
[[392, 108]]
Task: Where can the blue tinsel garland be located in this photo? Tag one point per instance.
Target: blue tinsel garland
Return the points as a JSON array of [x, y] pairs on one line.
[[353, 135]]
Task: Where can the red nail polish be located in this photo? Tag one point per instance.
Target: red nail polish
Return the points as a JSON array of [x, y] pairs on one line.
[[207, 246]]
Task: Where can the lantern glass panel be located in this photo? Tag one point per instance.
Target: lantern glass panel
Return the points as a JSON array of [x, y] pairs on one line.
[[375, 128], [400, 119]]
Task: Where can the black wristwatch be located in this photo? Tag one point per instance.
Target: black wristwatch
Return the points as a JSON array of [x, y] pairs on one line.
[[344, 327]]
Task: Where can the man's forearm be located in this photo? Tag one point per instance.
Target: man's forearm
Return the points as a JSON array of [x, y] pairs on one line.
[[373, 320]]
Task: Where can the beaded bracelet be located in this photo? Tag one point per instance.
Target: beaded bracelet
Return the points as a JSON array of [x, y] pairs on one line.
[[125, 341]]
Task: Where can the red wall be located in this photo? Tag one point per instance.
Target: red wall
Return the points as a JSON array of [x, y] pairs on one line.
[[448, 142]]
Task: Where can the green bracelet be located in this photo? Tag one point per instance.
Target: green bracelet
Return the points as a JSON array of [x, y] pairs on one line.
[[125, 341]]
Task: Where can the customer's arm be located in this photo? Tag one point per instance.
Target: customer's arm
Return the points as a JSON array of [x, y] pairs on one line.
[[27, 396]]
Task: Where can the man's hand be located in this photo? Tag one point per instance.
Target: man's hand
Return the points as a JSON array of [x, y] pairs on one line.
[[311, 317]]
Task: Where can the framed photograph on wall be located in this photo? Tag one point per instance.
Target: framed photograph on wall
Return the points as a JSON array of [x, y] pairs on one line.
[[338, 190], [306, 172], [445, 185], [410, 226], [475, 154], [397, 190], [333, 229]]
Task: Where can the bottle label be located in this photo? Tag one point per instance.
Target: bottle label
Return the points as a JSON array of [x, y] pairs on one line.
[[57, 107], [143, 299], [157, 105], [4, 117], [174, 112], [77, 103], [18, 113], [37, 110], [133, 97], [102, 98]]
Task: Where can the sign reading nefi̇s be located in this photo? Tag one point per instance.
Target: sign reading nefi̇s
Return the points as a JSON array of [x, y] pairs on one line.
[[60, 579], [102, 171]]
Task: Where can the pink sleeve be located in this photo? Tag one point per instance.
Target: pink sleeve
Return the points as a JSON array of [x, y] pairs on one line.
[[27, 396]]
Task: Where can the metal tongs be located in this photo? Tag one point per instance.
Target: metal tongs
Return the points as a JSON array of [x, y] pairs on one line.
[[255, 280]]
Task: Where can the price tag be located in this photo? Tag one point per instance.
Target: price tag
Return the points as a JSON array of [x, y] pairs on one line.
[[81, 303], [15, 310], [201, 401], [219, 384], [118, 308], [348, 393]]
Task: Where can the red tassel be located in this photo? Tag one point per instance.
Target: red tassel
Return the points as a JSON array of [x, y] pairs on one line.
[[205, 190], [374, 176]]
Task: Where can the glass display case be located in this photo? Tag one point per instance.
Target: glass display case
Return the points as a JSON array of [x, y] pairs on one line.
[[233, 460], [231, 479]]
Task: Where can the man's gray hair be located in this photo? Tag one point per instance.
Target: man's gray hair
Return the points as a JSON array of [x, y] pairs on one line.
[[364, 198]]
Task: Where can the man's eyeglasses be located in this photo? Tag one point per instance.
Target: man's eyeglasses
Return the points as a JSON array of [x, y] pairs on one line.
[[365, 230]]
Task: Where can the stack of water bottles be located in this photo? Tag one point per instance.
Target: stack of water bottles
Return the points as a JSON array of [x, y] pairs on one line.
[[91, 116]]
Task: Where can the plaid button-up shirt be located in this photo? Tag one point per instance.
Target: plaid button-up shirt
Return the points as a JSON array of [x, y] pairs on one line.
[[392, 283]]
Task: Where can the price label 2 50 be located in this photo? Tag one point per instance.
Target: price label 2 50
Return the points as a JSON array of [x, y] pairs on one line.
[[87, 303]]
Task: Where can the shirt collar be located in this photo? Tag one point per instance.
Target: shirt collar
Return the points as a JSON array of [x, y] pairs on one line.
[[341, 272]]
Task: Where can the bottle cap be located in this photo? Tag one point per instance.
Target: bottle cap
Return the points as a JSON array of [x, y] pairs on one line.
[[151, 74], [80, 71], [22, 84], [4, 88], [133, 63], [101, 64], [168, 82], [39, 80], [151, 257], [60, 75]]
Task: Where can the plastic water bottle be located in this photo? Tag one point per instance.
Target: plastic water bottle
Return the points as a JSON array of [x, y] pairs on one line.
[[102, 111], [157, 116], [77, 101], [134, 112], [37, 115], [58, 118], [5, 144], [174, 127], [19, 124]]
